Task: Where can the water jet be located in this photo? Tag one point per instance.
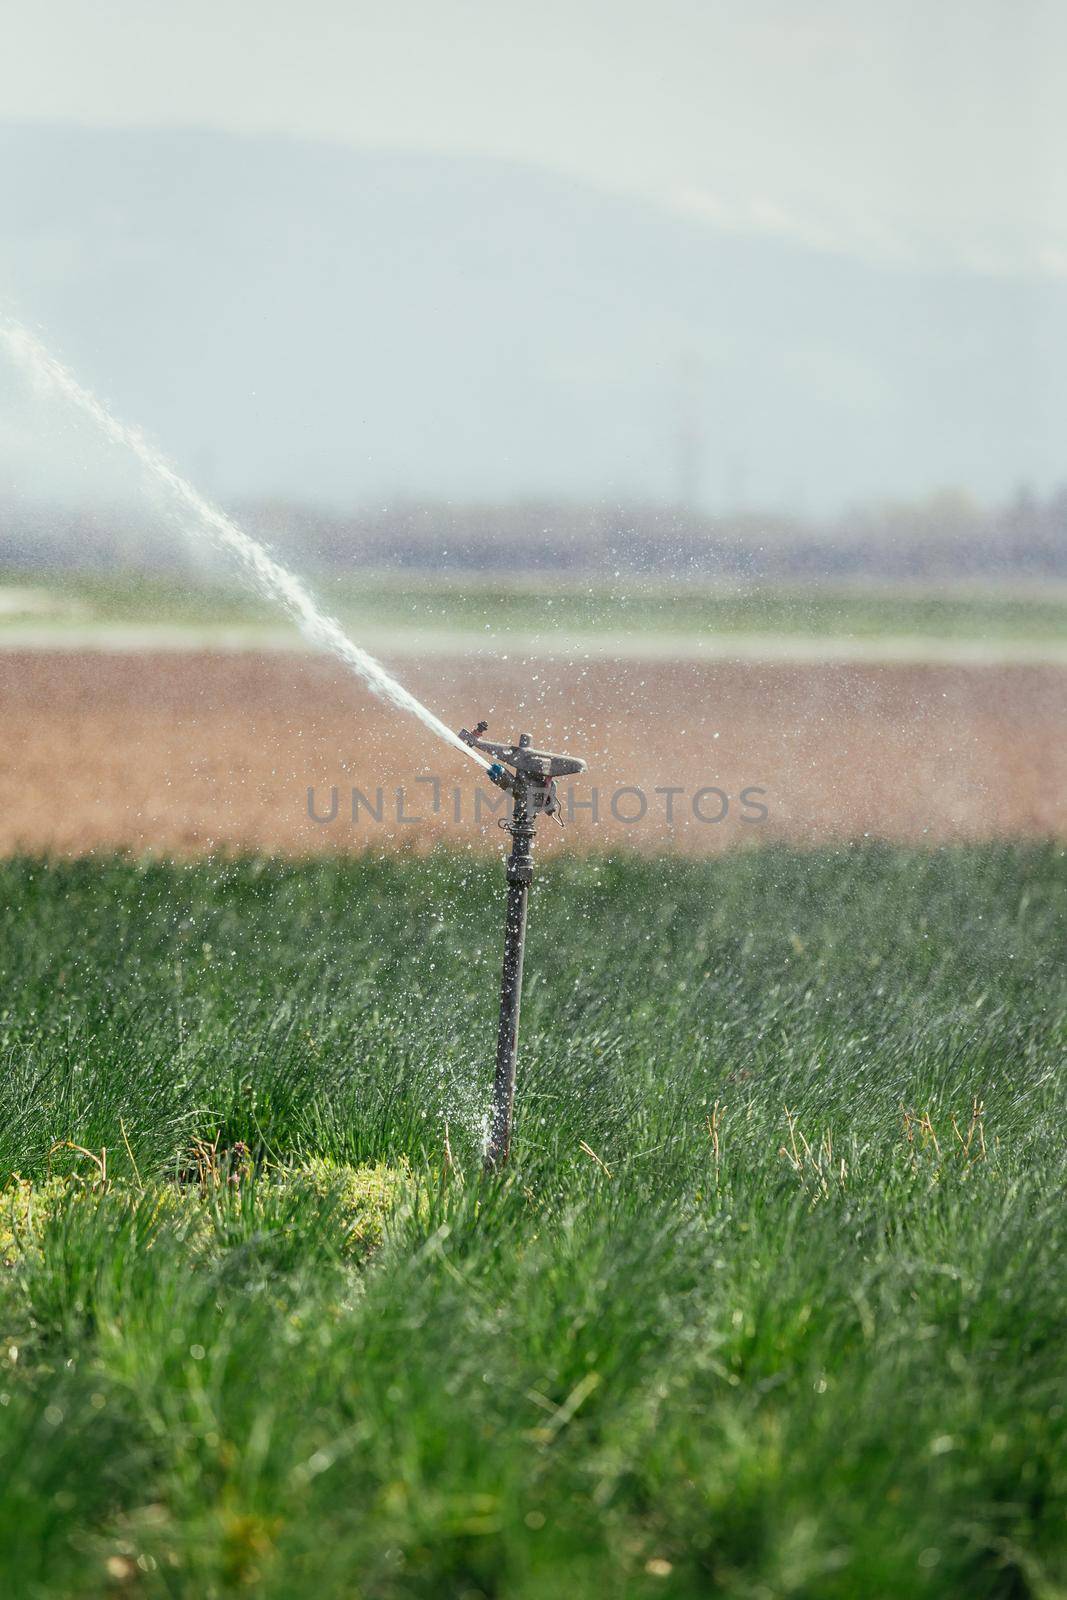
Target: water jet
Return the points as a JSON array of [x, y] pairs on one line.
[[191, 509], [529, 776]]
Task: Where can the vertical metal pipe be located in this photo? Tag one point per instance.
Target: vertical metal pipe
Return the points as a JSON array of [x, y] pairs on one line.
[[519, 876], [508, 1036]]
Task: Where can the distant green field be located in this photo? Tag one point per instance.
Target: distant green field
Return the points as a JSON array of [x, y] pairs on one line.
[[481, 606], [771, 1302]]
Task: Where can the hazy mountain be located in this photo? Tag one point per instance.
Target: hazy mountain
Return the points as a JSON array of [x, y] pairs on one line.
[[335, 325]]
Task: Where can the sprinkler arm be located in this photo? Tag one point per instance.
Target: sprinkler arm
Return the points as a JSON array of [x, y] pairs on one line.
[[541, 764]]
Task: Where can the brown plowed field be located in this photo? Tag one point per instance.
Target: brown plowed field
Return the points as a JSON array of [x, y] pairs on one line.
[[188, 753]]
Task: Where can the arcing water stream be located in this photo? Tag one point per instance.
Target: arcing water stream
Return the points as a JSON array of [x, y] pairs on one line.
[[268, 575]]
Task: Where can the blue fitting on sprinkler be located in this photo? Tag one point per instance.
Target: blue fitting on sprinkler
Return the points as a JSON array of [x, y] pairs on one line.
[[496, 772]]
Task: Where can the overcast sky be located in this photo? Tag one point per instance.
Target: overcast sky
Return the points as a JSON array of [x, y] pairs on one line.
[[926, 131]]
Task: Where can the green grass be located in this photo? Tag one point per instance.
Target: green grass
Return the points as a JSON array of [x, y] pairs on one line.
[[601, 606], [771, 1302]]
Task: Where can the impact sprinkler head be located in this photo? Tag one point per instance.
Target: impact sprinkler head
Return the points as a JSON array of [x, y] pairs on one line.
[[529, 776], [519, 764]]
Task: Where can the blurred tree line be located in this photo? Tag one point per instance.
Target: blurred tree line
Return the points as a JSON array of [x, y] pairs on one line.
[[943, 537]]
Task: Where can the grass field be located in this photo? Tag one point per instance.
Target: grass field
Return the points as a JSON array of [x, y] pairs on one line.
[[771, 1302], [471, 605]]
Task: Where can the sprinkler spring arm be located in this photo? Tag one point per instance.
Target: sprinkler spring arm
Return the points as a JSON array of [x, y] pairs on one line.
[[531, 783]]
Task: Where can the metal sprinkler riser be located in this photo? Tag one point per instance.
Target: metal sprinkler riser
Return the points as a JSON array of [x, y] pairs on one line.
[[529, 776]]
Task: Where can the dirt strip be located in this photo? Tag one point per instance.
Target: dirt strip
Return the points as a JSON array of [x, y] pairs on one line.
[[189, 753]]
